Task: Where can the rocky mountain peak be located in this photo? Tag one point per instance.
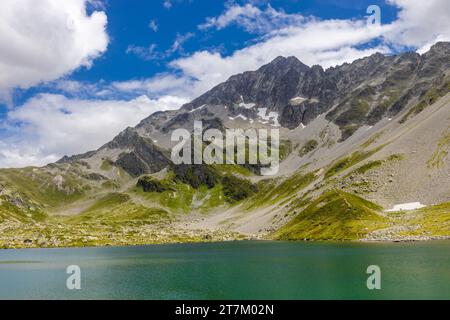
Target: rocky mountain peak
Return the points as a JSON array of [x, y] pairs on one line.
[[124, 139], [350, 95], [284, 64], [440, 48]]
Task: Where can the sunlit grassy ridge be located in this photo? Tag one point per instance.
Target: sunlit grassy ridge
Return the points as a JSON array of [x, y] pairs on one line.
[[336, 215], [8, 211], [348, 162], [429, 221], [201, 189], [272, 191], [41, 186], [118, 208]]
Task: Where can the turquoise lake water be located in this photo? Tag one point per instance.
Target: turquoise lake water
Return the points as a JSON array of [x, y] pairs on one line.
[[232, 270]]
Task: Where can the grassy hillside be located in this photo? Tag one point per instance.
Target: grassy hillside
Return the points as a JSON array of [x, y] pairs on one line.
[[336, 215], [117, 208]]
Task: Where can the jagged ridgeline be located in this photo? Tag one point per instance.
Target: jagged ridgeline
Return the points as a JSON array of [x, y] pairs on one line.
[[354, 141]]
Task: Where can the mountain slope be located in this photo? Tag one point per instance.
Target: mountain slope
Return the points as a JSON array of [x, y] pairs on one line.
[[358, 138]]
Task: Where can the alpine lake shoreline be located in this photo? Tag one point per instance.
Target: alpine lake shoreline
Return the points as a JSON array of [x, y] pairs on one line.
[[168, 236]]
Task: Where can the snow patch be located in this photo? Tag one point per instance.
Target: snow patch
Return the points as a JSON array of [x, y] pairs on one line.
[[196, 109], [247, 105], [272, 116], [297, 101], [406, 207], [238, 116]]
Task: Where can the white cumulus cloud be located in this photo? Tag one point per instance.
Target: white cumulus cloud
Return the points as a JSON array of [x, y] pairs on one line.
[[329, 42], [49, 126], [43, 40], [252, 18]]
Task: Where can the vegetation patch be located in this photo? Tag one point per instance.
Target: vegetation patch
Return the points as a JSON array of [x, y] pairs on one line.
[[349, 161], [428, 222], [236, 189], [372, 140], [418, 108], [12, 212], [110, 200], [347, 131], [396, 157], [336, 215], [150, 184], [272, 192], [196, 175], [285, 149], [378, 112], [116, 209], [44, 187], [430, 97], [233, 169], [308, 147], [355, 114], [107, 165], [369, 166], [438, 158]]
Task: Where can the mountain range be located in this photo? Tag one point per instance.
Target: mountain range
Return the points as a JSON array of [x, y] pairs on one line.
[[364, 149]]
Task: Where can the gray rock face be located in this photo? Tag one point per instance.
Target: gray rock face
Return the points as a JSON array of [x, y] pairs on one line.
[[270, 86], [144, 156], [363, 91], [351, 95]]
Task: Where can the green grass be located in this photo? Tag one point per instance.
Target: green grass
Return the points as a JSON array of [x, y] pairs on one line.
[[369, 166], [348, 130], [233, 169], [178, 199], [118, 208], [11, 212], [336, 215], [375, 164], [372, 140], [396, 157], [285, 149], [38, 185], [437, 160], [308, 147], [150, 184], [111, 184], [418, 108], [107, 165], [196, 175], [181, 197], [109, 201], [236, 189], [430, 97], [272, 192], [349, 161], [429, 221]]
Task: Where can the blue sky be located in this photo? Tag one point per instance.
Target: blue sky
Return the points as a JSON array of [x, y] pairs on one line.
[[90, 68], [129, 25]]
